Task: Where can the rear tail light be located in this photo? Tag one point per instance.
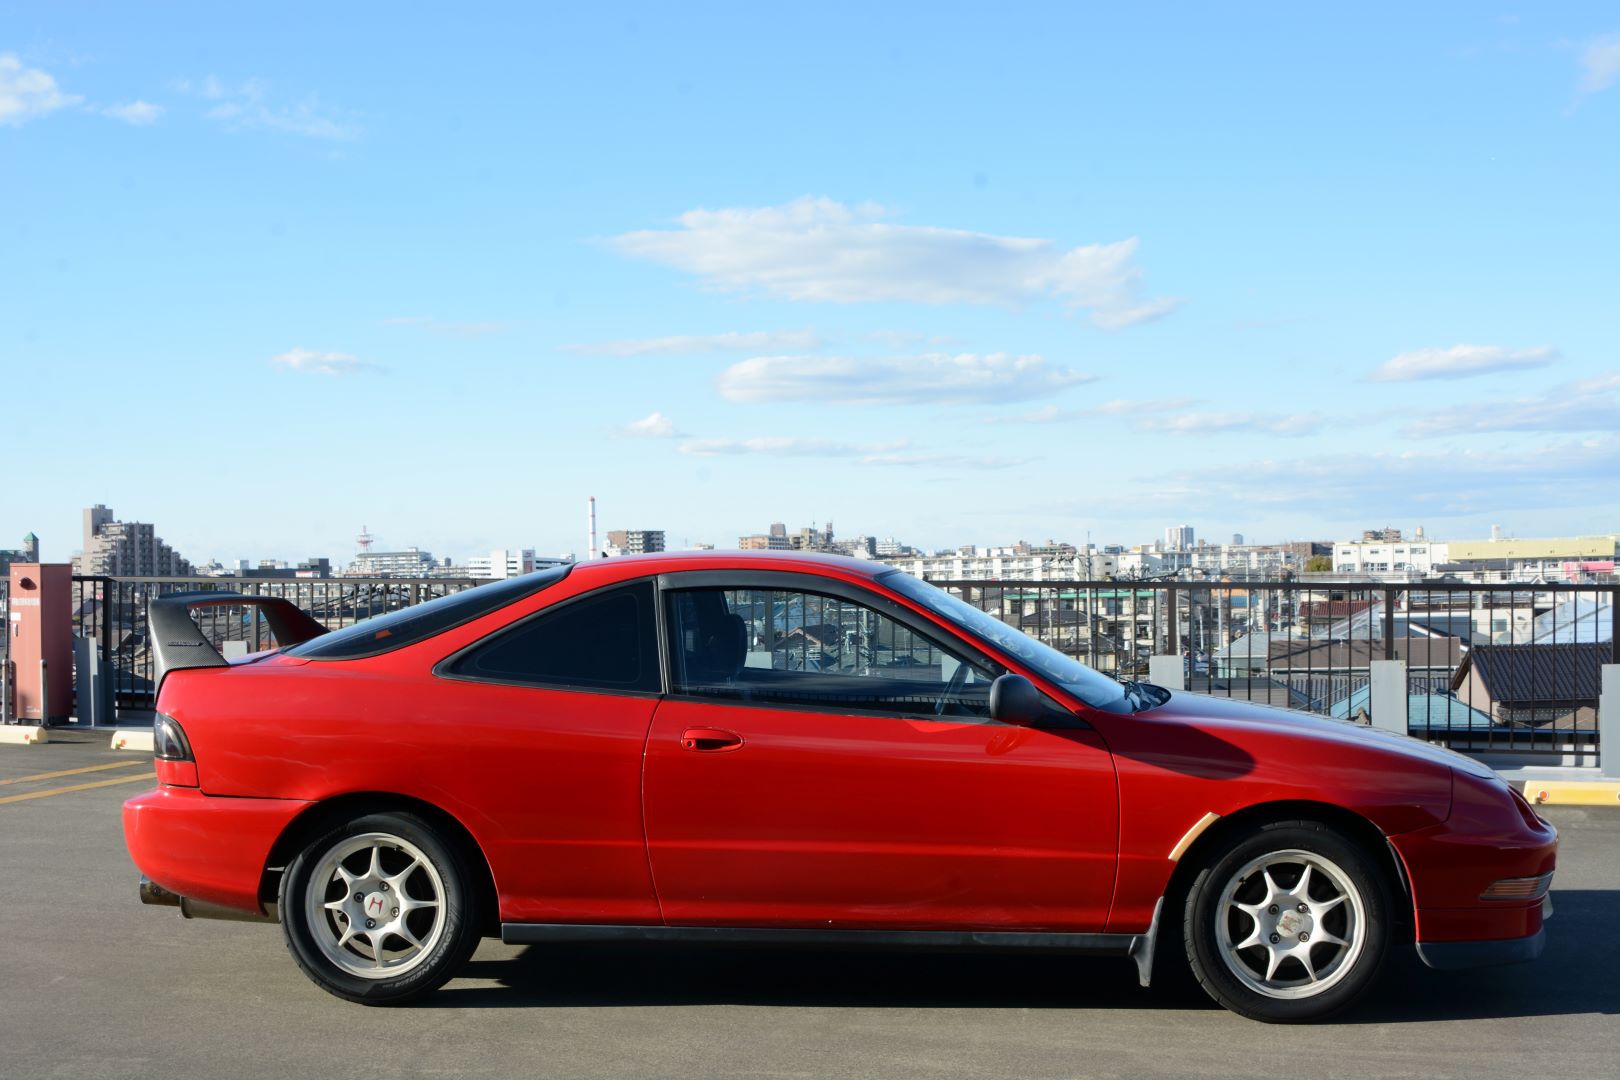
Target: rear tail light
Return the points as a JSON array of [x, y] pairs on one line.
[[1519, 888], [175, 764]]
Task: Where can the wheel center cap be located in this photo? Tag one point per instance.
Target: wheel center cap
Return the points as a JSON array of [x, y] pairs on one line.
[[375, 906], [1293, 922]]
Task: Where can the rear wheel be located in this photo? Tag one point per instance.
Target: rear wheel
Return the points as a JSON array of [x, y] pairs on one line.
[[379, 910], [1288, 924]]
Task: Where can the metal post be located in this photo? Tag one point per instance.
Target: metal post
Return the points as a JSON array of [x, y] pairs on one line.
[[44, 695], [1609, 721], [1174, 638], [1389, 624]]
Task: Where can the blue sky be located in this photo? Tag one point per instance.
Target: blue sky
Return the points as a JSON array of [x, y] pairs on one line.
[[951, 273]]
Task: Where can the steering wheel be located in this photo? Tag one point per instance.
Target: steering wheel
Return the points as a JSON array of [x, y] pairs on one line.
[[958, 680]]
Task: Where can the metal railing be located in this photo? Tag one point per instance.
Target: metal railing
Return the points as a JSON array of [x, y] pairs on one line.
[[1501, 667], [1510, 668], [112, 611]]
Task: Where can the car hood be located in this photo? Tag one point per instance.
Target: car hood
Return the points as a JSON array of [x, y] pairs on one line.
[[1202, 709]]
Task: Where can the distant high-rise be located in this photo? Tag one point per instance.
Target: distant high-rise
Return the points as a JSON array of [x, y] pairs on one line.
[[1178, 538], [634, 541], [1237, 539], [125, 549]]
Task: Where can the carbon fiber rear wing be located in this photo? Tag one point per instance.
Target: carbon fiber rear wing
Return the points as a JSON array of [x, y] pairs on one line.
[[177, 643]]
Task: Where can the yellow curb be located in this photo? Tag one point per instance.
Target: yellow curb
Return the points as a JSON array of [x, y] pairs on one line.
[[1573, 792], [132, 740], [27, 736]]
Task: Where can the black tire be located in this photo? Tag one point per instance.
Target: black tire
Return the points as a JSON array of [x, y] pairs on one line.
[[1317, 978], [448, 929]]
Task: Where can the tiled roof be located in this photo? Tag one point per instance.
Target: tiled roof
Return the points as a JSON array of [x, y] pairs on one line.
[[1538, 673]]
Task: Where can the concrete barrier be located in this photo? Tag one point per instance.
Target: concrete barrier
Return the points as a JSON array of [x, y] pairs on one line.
[[24, 736], [133, 739]]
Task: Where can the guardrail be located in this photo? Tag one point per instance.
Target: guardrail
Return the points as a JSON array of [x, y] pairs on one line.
[[1511, 668], [112, 611]]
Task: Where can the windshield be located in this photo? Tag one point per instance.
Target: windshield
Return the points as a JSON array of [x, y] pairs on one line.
[[1090, 686], [408, 625]]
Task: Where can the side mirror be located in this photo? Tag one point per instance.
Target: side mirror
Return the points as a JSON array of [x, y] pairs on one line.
[[1014, 700]]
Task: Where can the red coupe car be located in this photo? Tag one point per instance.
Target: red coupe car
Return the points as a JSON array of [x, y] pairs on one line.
[[794, 749]]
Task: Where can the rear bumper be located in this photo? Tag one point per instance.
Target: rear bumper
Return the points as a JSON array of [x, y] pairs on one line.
[[208, 848]]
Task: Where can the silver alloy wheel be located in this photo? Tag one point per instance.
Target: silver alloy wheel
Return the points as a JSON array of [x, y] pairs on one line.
[[375, 905], [1291, 924]]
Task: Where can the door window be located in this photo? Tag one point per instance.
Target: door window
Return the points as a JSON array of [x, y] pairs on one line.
[[777, 647]]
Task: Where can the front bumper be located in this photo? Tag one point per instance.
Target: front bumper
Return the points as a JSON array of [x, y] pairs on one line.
[[1460, 955], [208, 848]]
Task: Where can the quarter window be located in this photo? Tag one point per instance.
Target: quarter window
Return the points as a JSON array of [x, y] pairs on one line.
[[780, 647], [604, 641]]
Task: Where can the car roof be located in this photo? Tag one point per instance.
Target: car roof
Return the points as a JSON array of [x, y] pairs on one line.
[[663, 562]]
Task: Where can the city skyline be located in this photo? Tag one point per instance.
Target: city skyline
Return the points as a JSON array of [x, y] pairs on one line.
[[989, 278]]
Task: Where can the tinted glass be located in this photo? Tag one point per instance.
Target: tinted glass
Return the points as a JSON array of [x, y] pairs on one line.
[[779, 647], [605, 641], [408, 625], [1090, 686]]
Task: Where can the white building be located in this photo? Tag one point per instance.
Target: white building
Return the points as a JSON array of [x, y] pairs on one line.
[[1362, 557], [512, 562]]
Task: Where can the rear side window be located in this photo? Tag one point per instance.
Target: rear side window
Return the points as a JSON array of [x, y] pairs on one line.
[[603, 641], [408, 625]]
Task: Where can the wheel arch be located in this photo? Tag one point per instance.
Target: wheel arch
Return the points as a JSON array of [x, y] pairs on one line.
[[328, 813], [1356, 828]]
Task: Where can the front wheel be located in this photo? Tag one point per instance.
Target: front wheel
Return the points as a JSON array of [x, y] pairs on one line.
[[380, 910], [1290, 923]]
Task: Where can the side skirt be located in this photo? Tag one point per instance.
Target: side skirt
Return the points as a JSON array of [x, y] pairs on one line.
[[1134, 945]]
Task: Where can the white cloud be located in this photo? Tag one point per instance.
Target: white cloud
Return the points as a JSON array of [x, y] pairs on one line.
[[1051, 414], [452, 329], [26, 93], [1600, 63], [822, 250], [654, 425], [1213, 423], [897, 454], [311, 362], [248, 106], [704, 343], [1394, 485], [1587, 405], [786, 446], [933, 378], [927, 460], [138, 113], [1461, 362]]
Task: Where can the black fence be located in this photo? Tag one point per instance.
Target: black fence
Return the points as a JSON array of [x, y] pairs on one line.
[[112, 611], [1512, 668]]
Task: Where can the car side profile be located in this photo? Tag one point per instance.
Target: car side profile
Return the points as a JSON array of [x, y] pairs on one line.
[[774, 748]]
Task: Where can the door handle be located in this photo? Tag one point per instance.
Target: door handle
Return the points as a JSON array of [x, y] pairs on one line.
[[710, 740]]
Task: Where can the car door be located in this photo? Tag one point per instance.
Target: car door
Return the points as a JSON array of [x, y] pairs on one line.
[[826, 760]]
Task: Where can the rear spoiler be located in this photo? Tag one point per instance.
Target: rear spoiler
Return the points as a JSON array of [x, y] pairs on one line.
[[177, 643]]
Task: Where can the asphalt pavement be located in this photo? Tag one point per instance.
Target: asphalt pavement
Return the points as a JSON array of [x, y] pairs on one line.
[[92, 984]]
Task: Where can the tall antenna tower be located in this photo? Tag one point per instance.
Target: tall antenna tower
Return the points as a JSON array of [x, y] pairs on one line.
[[364, 540], [590, 513]]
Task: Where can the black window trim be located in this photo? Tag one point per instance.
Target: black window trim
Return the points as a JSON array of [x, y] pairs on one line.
[[444, 668], [538, 587], [687, 580]]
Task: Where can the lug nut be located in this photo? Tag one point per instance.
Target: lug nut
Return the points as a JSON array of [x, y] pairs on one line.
[[394, 914], [1276, 938], [1304, 937], [371, 924], [1303, 909], [1272, 909], [383, 886]]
